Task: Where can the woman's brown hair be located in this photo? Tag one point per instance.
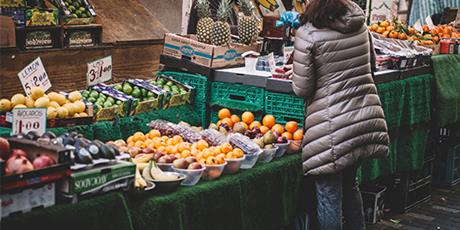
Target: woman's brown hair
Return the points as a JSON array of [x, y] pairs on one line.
[[322, 12]]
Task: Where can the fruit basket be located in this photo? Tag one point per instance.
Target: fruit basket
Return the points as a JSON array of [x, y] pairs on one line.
[[77, 12], [149, 97], [177, 93], [108, 102]]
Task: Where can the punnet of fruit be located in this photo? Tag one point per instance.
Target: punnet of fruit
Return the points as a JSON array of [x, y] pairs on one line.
[[176, 92], [149, 97], [58, 105]]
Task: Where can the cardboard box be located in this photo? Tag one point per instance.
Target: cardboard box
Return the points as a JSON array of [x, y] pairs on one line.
[[12, 3], [70, 19], [99, 179], [26, 200], [58, 171], [187, 47]]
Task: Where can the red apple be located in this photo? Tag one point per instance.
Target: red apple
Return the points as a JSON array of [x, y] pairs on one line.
[[4, 148], [19, 152], [195, 165], [17, 164], [43, 161]]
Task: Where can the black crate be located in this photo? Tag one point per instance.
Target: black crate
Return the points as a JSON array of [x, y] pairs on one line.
[[373, 202], [82, 35], [447, 167], [409, 189], [29, 38]]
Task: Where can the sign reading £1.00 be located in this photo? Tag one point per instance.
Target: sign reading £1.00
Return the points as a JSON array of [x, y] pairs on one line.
[[29, 119], [34, 75], [99, 71]]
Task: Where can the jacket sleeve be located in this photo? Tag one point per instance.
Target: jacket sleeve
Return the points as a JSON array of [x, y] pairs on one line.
[[303, 78], [373, 56]]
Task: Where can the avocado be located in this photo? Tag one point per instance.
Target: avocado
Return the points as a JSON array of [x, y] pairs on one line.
[[82, 156], [170, 83], [137, 93], [107, 152], [127, 89], [94, 94], [85, 93], [107, 104]]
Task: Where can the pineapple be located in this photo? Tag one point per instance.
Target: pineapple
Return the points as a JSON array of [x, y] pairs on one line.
[[221, 30], [205, 24], [247, 24]]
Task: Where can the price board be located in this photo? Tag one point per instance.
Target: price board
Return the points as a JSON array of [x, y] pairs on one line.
[[29, 119], [34, 75], [99, 71]]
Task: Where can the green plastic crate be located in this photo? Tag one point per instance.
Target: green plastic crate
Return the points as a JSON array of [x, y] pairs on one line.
[[237, 96], [285, 107], [202, 87]]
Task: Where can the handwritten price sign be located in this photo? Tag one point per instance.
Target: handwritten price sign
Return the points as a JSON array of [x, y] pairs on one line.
[[28, 119], [99, 71], [34, 75]]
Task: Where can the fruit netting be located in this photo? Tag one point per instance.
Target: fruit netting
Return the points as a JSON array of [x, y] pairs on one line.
[[447, 79], [108, 211]]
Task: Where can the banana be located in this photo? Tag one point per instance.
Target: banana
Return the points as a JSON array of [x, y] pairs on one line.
[[139, 181], [142, 158], [141, 166]]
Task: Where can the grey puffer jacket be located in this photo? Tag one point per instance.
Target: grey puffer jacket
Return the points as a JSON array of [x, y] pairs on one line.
[[332, 72]]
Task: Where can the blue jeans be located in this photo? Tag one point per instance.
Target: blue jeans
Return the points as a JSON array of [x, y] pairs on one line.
[[338, 197]]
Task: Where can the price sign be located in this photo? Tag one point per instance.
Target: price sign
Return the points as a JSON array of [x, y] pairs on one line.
[[29, 119], [271, 62], [99, 71], [34, 75]]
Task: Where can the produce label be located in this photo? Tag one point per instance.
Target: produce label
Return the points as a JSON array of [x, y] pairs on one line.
[[99, 71], [34, 75], [271, 62], [29, 119]]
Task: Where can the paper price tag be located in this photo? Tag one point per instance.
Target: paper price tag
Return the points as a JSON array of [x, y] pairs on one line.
[[34, 75], [429, 22], [271, 62], [29, 119], [99, 71]]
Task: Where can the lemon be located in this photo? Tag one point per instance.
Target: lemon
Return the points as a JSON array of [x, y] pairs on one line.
[[62, 112], [20, 106], [79, 106], [36, 92], [76, 115], [60, 99], [75, 96], [52, 112], [5, 105], [83, 114], [54, 104], [30, 103], [42, 102], [70, 108], [53, 96], [18, 99]]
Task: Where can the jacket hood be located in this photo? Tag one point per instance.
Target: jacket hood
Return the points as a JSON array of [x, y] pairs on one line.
[[351, 22]]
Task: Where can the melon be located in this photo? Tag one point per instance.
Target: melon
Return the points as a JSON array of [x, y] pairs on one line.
[[5, 105], [36, 93], [42, 102], [75, 96], [30, 103], [62, 112], [52, 112], [18, 99]]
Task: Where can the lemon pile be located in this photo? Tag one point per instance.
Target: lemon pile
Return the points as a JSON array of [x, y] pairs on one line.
[[57, 104]]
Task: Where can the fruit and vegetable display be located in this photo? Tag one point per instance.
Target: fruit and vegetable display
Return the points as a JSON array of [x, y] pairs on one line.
[[397, 30], [149, 97], [59, 105]]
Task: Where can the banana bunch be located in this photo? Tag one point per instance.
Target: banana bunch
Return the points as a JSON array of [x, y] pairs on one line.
[[142, 158], [271, 5], [139, 182]]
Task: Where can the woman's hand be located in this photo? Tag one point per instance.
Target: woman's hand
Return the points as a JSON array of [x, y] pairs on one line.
[[289, 70]]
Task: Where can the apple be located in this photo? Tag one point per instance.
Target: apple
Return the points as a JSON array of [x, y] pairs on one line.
[[180, 164], [190, 160], [4, 148], [195, 165], [19, 152], [259, 135], [17, 164], [170, 159], [43, 161], [147, 150], [163, 160], [157, 156]]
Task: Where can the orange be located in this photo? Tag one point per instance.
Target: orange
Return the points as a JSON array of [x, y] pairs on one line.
[[220, 158], [255, 124], [385, 24], [161, 149], [264, 129], [177, 139], [212, 161], [393, 34], [169, 150], [227, 121], [380, 30], [154, 133], [403, 36], [235, 119], [140, 144], [201, 145], [278, 128], [385, 33], [226, 148], [298, 135], [238, 153], [185, 154], [291, 126], [374, 27], [198, 155], [138, 136], [247, 117], [130, 139], [177, 155], [269, 121], [224, 113], [389, 28], [170, 142], [229, 155], [287, 135]]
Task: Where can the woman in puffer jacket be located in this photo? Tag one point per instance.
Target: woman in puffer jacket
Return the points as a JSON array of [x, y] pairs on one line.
[[344, 121]]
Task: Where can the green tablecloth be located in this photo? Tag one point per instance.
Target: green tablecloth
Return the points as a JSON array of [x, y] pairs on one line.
[[447, 74], [407, 107], [124, 127], [265, 197]]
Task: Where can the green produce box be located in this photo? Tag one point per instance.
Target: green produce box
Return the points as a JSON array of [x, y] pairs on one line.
[[108, 109], [41, 17], [149, 97], [77, 12], [285, 107], [176, 92], [237, 96], [97, 180]]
